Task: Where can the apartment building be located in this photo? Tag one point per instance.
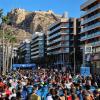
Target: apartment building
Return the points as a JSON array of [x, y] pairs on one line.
[[23, 52], [90, 29], [61, 40], [38, 48]]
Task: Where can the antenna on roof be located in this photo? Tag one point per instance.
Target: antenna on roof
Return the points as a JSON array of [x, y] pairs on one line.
[[65, 15]]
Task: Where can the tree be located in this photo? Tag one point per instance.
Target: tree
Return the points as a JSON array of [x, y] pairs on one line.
[[12, 41], [1, 14], [8, 38], [5, 20]]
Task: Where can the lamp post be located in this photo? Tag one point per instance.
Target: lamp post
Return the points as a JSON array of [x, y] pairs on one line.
[[74, 61]]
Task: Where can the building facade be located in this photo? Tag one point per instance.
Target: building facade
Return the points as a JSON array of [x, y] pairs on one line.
[[38, 48], [24, 52], [61, 40], [90, 29]]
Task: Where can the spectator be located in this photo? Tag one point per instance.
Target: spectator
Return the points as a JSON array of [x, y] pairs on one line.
[[34, 96], [13, 95]]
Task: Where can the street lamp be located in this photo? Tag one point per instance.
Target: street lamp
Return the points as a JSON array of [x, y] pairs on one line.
[[74, 61]]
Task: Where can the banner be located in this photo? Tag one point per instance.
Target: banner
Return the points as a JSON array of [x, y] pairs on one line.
[[15, 66]]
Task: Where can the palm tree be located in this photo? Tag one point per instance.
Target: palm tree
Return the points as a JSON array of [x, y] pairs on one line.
[[6, 44], [5, 47], [12, 41], [5, 20], [1, 31], [8, 39]]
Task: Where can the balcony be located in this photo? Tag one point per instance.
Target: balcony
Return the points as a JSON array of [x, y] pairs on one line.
[[54, 47], [57, 34], [58, 46], [90, 27], [53, 36], [65, 45], [90, 36], [65, 25], [33, 57], [94, 44], [90, 10], [65, 38], [34, 41], [55, 41], [60, 51], [34, 45], [90, 19], [33, 49], [55, 29], [87, 3], [36, 52], [59, 27], [52, 25]]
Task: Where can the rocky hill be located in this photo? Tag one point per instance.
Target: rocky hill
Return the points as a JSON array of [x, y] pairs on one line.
[[32, 21], [24, 23]]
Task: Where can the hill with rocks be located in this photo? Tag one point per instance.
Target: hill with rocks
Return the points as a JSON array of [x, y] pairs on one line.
[[32, 21]]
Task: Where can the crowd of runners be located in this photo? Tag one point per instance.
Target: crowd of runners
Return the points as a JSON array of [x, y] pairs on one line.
[[48, 84]]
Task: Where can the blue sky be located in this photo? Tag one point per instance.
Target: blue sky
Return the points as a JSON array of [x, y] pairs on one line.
[[58, 6]]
